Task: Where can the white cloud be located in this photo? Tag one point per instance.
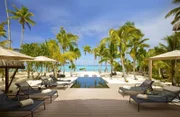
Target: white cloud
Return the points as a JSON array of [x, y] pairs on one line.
[[155, 28]]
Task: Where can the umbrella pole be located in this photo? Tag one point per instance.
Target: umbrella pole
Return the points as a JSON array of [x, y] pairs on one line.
[[6, 79], [150, 69], [12, 77]]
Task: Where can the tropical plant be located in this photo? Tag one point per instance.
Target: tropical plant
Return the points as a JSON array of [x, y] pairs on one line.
[[95, 51], [23, 16], [176, 13], [65, 42], [87, 49], [77, 54], [110, 52], [121, 37], [135, 44], [6, 42]]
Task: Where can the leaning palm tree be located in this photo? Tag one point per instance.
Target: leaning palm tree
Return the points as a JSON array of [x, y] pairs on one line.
[[176, 13], [136, 44], [65, 42], [8, 23], [23, 16], [121, 38]]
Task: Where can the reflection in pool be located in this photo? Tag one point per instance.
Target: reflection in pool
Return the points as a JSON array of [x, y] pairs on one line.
[[89, 82]]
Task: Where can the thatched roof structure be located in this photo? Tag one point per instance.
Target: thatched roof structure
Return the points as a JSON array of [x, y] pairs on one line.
[[11, 64], [12, 55]]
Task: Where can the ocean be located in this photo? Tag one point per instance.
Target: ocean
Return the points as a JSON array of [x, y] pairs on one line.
[[88, 67], [78, 67]]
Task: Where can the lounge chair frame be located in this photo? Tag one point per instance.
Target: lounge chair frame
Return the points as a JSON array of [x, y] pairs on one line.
[[32, 108], [30, 90]]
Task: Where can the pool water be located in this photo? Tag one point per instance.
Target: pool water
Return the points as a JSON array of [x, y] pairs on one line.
[[89, 82]]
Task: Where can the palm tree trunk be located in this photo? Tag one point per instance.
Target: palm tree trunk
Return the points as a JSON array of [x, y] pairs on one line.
[[8, 21], [123, 68], [100, 67], [94, 63], [111, 71], [105, 67], [22, 36], [134, 67]]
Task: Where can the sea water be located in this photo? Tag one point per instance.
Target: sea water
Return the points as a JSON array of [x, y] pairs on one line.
[[87, 67]]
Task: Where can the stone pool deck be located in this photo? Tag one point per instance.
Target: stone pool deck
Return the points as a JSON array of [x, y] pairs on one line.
[[107, 102]]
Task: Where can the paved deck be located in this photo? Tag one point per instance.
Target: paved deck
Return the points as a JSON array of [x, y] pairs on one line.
[[98, 103]]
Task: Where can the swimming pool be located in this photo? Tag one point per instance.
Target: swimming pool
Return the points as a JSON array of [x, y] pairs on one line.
[[89, 82]]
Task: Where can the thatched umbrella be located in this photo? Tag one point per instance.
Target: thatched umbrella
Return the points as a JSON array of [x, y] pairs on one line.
[[10, 64], [8, 58], [12, 55]]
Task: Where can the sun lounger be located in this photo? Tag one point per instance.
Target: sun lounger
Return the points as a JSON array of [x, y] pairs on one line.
[[146, 85], [54, 79], [27, 90], [49, 83], [8, 105], [168, 94]]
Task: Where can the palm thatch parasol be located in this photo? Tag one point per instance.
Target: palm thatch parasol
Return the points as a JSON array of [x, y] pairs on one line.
[[12, 55], [8, 58]]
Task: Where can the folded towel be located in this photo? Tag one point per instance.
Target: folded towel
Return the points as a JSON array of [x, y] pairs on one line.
[[126, 87], [26, 102], [46, 91], [142, 96]]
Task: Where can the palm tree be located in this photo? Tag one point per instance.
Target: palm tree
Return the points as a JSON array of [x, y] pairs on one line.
[[95, 51], [176, 13], [102, 48], [111, 51], [23, 16], [66, 41], [136, 44], [87, 49], [8, 22], [3, 43], [77, 54], [121, 37]]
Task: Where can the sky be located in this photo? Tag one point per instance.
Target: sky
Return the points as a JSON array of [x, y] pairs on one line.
[[90, 20]]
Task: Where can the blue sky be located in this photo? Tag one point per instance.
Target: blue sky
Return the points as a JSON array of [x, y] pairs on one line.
[[91, 19]]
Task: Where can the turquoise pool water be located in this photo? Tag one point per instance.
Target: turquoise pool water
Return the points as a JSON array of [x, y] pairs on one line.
[[89, 82]]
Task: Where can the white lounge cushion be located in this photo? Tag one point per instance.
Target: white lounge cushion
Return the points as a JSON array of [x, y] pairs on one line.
[[62, 83], [126, 87], [46, 91], [142, 96], [26, 102], [172, 88]]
